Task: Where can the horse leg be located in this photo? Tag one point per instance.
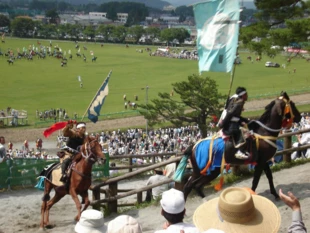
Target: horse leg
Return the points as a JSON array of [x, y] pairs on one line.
[[204, 180], [268, 173], [257, 173], [77, 204], [86, 201], [54, 200], [188, 187], [46, 197]]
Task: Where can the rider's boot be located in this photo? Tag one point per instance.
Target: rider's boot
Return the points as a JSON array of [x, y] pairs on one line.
[[64, 178]]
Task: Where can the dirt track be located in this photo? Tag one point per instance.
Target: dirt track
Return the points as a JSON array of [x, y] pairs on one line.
[[19, 135], [21, 209]]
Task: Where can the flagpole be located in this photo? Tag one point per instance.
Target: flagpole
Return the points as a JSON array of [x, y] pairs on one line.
[[96, 95]]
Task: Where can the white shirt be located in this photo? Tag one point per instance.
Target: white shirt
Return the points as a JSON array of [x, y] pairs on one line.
[[176, 228], [170, 170], [157, 191], [2, 151]]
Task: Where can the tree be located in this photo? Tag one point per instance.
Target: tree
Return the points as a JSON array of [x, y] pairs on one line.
[[52, 15], [136, 32], [22, 26], [120, 32], [277, 11], [106, 31], [199, 99], [4, 21], [89, 31], [153, 32]]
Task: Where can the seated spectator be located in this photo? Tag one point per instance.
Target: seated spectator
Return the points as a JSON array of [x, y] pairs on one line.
[[173, 210], [169, 171], [91, 221], [124, 224], [291, 201], [113, 172], [156, 192]]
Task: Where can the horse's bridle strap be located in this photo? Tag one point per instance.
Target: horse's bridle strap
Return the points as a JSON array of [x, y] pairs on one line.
[[81, 174]]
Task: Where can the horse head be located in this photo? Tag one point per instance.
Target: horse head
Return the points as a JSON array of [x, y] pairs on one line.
[[92, 150], [290, 112]]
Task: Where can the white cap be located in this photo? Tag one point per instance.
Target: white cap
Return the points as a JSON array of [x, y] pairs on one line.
[[80, 125], [124, 224], [91, 221], [172, 201]]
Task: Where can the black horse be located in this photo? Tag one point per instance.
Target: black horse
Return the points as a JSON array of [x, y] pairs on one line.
[[278, 113]]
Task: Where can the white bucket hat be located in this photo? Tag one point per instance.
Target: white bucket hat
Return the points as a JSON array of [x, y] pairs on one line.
[[91, 221], [172, 201], [238, 211], [124, 224]]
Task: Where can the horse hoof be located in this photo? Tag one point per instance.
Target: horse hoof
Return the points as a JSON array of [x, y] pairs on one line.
[[50, 226]]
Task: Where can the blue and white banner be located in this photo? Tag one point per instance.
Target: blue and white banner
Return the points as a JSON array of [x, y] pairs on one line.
[[217, 23], [98, 101]]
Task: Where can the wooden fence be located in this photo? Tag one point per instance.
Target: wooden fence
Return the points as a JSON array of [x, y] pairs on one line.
[[112, 192]]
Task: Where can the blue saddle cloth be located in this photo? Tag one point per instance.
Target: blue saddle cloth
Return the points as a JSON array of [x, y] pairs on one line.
[[202, 153]]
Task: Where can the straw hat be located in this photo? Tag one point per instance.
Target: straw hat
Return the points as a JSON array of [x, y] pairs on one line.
[[91, 221], [237, 211]]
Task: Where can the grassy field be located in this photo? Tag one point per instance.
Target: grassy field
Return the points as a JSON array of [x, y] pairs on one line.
[[44, 84]]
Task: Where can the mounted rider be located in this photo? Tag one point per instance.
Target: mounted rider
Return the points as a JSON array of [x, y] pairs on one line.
[[232, 121], [75, 140]]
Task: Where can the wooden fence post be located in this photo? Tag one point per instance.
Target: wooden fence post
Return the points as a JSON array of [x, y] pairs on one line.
[[287, 145], [96, 196], [130, 164], [112, 205], [139, 197]]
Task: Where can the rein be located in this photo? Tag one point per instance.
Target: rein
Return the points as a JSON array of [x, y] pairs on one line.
[[81, 174], [270, 139], [267, 128]]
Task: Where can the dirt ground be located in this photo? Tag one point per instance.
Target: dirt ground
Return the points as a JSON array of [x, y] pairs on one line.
[[20, 210], [16, 135]]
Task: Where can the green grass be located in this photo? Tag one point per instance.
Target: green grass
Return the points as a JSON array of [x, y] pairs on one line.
[[44, 84]]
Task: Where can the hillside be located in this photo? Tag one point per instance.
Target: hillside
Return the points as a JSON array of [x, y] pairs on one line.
[[150, 3]]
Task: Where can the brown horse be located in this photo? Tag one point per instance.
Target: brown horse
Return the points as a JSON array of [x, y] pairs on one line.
[[79, 181], [266, 130]]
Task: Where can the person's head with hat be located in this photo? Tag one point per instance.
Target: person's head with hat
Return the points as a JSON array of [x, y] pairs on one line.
[[91, 221], [173, 205], [173, 210], [81, 128], [159, 171], [236, 210], [124, 224], [242, 93]]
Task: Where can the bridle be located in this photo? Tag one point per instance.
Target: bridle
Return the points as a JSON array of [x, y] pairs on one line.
[[287, 109], [89, 155], [286, 122]]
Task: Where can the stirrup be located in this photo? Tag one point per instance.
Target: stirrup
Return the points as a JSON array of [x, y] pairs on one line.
[[240, 155]]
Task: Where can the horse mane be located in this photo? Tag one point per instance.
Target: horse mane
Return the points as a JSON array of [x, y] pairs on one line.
[[267, 114]]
